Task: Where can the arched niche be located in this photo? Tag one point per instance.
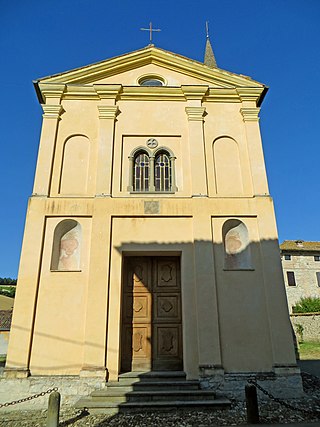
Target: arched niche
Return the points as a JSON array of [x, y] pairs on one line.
[[66, 246], [227, 166], [75, 166], [237, 253]]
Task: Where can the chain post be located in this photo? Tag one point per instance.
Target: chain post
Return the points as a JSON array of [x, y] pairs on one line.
[[53, 409], [252, 404]]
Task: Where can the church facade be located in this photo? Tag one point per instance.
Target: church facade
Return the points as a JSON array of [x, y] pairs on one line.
[[150, 241]]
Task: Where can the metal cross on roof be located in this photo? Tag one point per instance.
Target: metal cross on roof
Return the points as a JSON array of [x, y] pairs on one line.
[[207, 29], [150, 29]]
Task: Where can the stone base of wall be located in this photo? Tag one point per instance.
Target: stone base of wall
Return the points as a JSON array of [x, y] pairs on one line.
[[71, 388], [283, 382]]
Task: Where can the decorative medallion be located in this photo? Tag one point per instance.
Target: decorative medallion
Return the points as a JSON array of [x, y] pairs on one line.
[[152, 143], [137, 341], [167, 341], [137, 306], [166, 273], [166, 306]]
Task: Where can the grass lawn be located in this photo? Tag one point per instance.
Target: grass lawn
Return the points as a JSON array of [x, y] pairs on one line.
[[309, 350]]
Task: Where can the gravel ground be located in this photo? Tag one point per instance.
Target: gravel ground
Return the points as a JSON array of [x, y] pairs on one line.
[[270, 413]]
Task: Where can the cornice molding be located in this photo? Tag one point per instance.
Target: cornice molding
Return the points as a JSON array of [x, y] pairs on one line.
[[152, 55], [143, 93], [195, 113], [194, 92], [250, 114], [52, 90], [107, 91], [249, 93], [52, 111], [108, 111], [222, 95]]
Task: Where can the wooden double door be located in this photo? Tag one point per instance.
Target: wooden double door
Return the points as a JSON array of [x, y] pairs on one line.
[[151, 337]]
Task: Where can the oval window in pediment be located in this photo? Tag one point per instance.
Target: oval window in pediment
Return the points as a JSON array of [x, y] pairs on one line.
[[151, 80]]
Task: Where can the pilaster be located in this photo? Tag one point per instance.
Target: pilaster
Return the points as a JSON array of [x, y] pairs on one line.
[[95, 335], [107, 118], [22, 328], [51, 117], [197, 151], [250, 114], [206, 293], [195, 113]]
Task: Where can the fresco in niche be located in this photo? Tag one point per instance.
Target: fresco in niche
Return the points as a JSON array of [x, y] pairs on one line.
[[236, 245], [69, 257]]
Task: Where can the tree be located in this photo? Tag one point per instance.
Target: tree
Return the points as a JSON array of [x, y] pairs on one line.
[[8, 281]]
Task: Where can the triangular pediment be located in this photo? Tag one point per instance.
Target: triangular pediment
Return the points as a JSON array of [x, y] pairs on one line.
[[114, 70]]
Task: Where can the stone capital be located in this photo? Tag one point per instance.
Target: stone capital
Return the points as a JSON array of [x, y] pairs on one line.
[[250, 114], [108, 111], [52, 111], [194, 92], [195, 113]]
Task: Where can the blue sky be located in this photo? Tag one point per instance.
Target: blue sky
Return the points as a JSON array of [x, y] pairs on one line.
[[276, 42]]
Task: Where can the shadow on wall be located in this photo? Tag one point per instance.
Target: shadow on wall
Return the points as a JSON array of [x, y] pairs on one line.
[[239, 279]]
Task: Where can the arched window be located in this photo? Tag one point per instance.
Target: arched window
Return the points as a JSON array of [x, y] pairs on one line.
[[152, 171], [237, 254], [162, 172], [141, 172], [66, 246]]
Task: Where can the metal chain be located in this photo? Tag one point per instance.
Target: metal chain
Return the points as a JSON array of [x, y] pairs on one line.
[[282, 402], [26, 399]]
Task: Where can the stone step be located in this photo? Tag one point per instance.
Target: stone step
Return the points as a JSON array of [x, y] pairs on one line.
[[134, 377], [150, 391], [148, 396], [151, 385], [114, 407]]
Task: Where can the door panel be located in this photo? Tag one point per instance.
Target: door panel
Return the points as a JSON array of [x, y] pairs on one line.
[[151, 314]]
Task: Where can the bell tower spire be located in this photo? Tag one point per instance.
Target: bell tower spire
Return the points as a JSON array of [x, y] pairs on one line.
[[209, 58]]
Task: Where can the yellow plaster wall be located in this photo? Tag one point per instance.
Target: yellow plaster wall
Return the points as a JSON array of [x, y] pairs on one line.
[[237, 319], [58, 335]]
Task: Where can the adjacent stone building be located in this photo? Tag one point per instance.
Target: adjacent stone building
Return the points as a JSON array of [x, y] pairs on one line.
[[301, 268], [150, 241]]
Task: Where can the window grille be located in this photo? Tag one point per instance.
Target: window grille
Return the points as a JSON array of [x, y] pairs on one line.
[[141, 172], [162, 173]]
